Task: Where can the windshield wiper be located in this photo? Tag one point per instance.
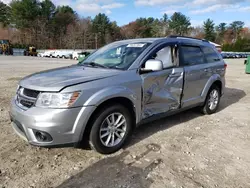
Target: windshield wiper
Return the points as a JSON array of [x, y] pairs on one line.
[[93, 64]]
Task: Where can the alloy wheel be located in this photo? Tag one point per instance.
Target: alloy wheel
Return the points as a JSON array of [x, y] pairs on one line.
[[213, 99], [113, 129]]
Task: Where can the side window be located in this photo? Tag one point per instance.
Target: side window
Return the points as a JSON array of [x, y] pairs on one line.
[[168, 55], [192, 55], [210, 55], [164, 55]]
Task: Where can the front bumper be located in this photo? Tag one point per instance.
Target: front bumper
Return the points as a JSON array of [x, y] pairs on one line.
[[65, 126]]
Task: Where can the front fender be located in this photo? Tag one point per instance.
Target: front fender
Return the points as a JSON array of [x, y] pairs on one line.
[[114, 92], [209, 83]]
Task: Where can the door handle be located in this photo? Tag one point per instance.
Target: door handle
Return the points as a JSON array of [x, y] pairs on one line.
[[175, 74], [207, 70]]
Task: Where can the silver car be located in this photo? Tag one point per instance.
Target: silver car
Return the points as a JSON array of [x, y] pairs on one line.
[[124, 84]]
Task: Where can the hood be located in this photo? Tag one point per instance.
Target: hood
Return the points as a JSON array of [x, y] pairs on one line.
[[57, 79]]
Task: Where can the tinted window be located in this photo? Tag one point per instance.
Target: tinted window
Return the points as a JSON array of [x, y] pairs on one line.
[[192, 55], [211, 55]]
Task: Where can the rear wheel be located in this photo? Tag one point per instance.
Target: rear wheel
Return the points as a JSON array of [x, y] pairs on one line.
[[111, 128], [212, 101]]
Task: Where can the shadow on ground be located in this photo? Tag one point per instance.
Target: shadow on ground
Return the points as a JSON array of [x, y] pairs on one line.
[[230, 97], [113, 172]]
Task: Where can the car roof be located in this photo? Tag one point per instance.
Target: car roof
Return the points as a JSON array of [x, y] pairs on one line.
[[185, 40]]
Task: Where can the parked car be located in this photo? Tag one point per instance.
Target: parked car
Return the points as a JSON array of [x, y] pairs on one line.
[[48, 53], [75, 55], [80, 55], [120, 86], [40, 54], [224, 55], [62, 54]]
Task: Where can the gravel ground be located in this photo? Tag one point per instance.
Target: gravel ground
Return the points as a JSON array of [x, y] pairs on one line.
[[185, 150]]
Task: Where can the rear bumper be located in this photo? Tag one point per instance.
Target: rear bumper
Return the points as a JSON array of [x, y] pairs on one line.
[[65, 126]]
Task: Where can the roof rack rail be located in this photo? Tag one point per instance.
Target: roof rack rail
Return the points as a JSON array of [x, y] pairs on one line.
[[184, 37]]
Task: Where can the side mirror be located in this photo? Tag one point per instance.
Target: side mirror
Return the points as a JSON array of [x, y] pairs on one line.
[[153, 65]]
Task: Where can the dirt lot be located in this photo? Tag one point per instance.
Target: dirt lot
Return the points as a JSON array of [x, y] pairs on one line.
[[185, 150]]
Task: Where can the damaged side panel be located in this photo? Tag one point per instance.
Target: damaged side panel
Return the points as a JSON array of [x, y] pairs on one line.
[[162, 91]]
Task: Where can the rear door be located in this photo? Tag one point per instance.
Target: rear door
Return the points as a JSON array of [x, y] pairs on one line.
[[162, 90], [197, 73], [214, 60]]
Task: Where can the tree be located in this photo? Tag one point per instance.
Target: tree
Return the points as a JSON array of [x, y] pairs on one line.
[[242, 45], [101, 26], [197, 32], [221, 30], [115, 32], [25, 12], [165, 25], [25, 17], [47, 9], [179, 23], [208, 27], [237, 26], [165, 18], [130, 30], [145, 27], [4, 14], [64, 16], [45, 23]]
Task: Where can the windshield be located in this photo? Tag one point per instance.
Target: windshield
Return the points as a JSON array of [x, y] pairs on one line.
[[118, 56]]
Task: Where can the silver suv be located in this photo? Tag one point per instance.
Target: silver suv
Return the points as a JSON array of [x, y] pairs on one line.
[[103, 98]]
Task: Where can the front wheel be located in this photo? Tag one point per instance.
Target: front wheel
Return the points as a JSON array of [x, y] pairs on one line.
[[212, 101], [111, 129]]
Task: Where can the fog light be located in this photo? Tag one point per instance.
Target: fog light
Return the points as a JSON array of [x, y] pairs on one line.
[[42, 136]]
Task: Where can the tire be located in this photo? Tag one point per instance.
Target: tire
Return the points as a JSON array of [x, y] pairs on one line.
[[63, 57], [58, 57], [100, 121], [207, 109]]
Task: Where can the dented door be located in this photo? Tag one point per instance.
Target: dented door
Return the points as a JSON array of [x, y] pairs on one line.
[[162, 91]]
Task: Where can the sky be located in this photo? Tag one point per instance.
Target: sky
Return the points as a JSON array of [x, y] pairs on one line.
[[125, 11]]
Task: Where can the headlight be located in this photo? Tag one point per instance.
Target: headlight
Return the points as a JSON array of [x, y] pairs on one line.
[[57, 100]]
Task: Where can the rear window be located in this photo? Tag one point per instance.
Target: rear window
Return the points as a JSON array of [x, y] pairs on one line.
[[211, 55], [192, 55]]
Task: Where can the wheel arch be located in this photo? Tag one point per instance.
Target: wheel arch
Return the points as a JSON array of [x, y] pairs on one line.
[[214, 80], [218, 83], [126, 102]]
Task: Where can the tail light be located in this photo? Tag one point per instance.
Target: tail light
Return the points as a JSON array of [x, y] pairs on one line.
[[225, 66]]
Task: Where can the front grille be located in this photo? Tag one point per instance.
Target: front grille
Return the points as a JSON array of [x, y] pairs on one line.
[[26, 103], [30, 93], [26, 98]]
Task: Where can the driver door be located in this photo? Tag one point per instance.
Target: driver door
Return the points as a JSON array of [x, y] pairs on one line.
[[162, 90]]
